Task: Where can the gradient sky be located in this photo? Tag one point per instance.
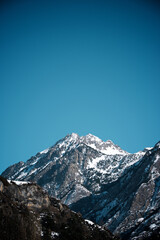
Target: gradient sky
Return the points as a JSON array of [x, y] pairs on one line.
[[78, 66]]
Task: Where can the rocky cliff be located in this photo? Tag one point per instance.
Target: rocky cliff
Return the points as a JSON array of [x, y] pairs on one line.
[[75, 167], [106, 184], [28, 213], [129, 206]]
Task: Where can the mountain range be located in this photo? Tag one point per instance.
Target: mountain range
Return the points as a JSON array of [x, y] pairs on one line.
[[100, 180]]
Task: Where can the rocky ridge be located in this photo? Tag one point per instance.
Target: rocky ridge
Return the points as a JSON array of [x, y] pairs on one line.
[[75, 167], [130, 206], [106, 184], [28, 212]]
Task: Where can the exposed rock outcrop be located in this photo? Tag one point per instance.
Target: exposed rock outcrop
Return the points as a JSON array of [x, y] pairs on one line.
[[105, 183], [129, 206], [75, 167], [28, 213]]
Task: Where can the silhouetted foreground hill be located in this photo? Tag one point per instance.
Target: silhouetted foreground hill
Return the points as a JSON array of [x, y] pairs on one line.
[[29, 213]]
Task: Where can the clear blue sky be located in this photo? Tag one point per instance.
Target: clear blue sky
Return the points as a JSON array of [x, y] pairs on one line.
[[81, 66]]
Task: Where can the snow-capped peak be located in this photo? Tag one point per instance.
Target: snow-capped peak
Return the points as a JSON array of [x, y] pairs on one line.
[[108, 147], [67, 143], [91, 137], [143, 152], [74, 136], [73, 140]]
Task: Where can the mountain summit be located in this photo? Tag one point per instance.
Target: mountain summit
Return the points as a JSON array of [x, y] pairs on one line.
[[105, 183], [92, 141], [107, 147], [75, 167]]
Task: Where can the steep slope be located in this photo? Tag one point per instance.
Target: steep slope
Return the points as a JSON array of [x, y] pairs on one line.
[[105, 183], [129, 206], [75, 167], [27, 212]]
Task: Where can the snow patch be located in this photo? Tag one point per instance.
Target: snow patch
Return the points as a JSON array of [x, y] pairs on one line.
[[35, 161], [89, 222], [23, 174], [92, 138], [54, 234], [153, 226], [158, 145], [45, 151], [93, 162], [140, 220], [18, 182]]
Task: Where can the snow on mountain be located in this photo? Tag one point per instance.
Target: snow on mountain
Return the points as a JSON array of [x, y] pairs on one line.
[[108, 147], [74, 163], [18, 182], [45, 151], [86, 169], [130, 205]]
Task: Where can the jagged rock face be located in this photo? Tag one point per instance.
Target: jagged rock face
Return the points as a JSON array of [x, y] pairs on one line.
[[27, 212], [129, 206], [75, 167], [105, 183]]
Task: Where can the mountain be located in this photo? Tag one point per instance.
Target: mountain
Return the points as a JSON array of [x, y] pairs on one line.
[[106, 184], [129, 206], [28, 212], [75, 167]]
